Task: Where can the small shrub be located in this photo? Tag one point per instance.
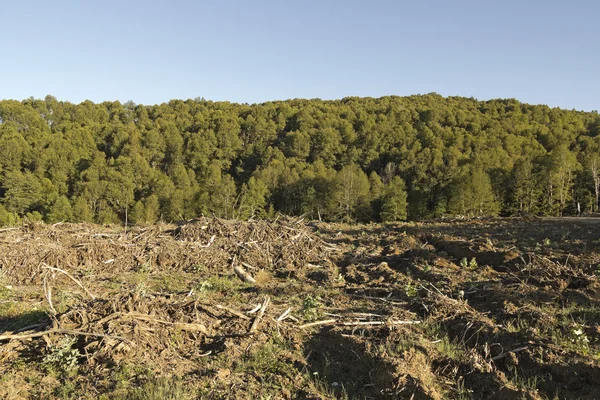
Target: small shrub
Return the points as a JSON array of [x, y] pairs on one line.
[[63, 356], [411, 290], [426, 267], [473, 264], [203, 286], [579, 338], [310, 308]]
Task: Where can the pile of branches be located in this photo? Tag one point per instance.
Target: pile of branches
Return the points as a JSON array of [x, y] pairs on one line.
[[285, 243], [207, 244], [152, 327]]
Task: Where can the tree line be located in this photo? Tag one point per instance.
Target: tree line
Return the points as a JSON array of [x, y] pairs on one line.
[[354, 159]]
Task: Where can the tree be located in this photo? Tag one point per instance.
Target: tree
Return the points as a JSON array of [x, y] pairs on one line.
[[472, 195], [152, 208], [560, 166], [22, 192], [182, 158], [137, 215], [591, 160], [351, 195], [394, 201], [82, 211], [60, 211], [7, 218], [252, 199], [594, 166], [524, 192]]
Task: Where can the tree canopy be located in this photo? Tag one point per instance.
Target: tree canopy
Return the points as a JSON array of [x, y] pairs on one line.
[[354, 159]]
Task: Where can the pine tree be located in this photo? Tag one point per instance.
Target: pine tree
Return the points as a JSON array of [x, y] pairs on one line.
[[394, 201], [81, 211], [472, 195], [60, 211]]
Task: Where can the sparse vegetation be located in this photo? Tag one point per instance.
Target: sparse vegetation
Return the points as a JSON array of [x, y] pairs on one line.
[[311, 308], [355, 311], [63, 357]]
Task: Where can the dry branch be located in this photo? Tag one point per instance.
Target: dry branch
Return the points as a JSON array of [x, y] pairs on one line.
[[358, 323], [502, 355], [371, 323], [260, 314], [317, 323], [192, 327], [48, 294], [60, 332], [255, 309], [46, 266], [233, 312], [284, 315], [212, 239], [243, 275]]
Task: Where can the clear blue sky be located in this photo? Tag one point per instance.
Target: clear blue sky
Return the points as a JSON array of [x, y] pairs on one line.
[[152, 51]]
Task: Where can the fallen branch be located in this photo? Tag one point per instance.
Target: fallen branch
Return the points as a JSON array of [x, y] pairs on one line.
[[233, 312], [61, 332], [358, 323], [383, 300], [317, 323], [184, 326], [245, 264], [260, 314], [31, 327], [191, 327], [284, 315], [46, 266], [212, 239], [290, 316], [243, 275], [48, 293], [368, 323], [502, 355], [255, 309]]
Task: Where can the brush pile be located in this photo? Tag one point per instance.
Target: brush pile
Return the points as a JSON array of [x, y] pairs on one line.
[[211, 243]]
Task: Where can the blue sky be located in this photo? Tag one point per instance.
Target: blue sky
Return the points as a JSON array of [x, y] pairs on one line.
[[542, 52]]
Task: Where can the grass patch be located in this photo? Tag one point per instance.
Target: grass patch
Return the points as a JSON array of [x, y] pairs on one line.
[[162, 389], [442, 343], [225, 283], [266, 361]]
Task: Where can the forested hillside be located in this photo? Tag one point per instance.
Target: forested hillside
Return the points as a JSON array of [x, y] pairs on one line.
[[355, 159]]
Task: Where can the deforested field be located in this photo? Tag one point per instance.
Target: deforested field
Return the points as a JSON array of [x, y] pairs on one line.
[[288, 309]]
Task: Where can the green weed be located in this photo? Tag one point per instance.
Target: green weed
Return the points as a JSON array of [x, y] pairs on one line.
[[310, 308], [63, 357]]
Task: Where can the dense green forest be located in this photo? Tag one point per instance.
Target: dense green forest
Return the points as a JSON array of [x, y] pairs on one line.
[[355, 159]]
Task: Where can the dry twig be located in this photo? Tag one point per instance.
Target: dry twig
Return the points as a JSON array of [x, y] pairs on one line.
[[61, 332], [233, 312], [317, 323], [260, 314], [46, 266]]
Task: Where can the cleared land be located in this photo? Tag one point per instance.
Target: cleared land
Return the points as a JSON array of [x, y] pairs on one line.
[[505, 308]]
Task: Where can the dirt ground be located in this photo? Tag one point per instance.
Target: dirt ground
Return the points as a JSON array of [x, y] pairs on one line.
[[289, 309]]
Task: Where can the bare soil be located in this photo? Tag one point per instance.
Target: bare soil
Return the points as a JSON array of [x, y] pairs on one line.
[[495, 309]]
